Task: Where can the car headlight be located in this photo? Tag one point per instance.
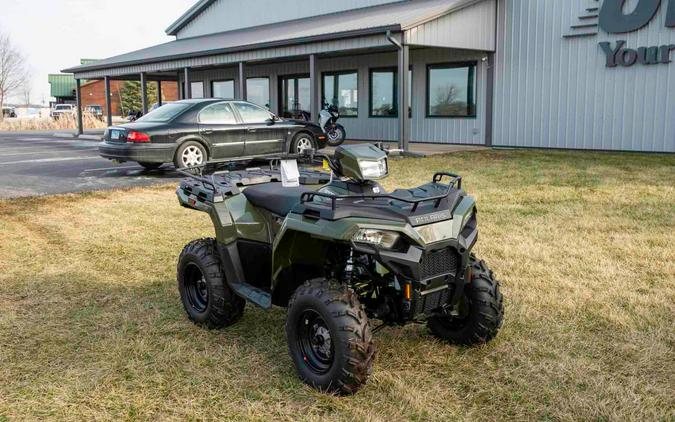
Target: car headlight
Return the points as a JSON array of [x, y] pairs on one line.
[[383, 238], [373, 169]]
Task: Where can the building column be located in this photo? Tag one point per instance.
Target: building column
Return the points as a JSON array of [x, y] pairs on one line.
[[313, 88], [403, 116], [144, 94], [241, 94], [186, 84], [108, 106], [159, 93], [78, 97], [490, 98], [180, 87]]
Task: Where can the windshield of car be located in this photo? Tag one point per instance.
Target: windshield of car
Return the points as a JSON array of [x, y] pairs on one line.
[[165, 113], [63, 107]]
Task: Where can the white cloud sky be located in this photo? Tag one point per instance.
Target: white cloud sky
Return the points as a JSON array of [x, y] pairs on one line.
[[55, 34]]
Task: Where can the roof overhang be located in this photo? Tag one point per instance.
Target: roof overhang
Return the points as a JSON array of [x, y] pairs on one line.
[[363, 29]]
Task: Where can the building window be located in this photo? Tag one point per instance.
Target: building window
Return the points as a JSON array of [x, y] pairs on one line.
[[197, 89], [222, 89], [258, 91], [384, 93], [340, 89], [451, 90]]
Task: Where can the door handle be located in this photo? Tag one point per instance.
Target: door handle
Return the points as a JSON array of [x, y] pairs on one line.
[[253, 130], [207, 132]]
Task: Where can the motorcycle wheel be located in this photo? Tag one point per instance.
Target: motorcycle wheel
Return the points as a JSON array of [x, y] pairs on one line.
[[336, 135]]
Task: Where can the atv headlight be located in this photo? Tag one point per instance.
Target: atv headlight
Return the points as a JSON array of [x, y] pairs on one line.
[[383, 238], [373, 169]]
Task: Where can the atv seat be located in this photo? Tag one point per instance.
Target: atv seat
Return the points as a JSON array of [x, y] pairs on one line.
[[274, 197]]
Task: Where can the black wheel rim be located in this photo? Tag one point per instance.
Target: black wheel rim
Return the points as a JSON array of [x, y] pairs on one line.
[[195, 288], [315, 342], [335, 134]]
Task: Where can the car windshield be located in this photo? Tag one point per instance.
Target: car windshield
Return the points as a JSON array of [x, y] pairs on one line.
[[165, 113]]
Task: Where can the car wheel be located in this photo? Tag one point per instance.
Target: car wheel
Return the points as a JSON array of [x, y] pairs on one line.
[[301, 142], [151, 166], [190, 154]]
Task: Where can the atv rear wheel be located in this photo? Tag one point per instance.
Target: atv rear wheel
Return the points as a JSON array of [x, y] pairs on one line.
[[484, 310], [206, 297], [329, 338]]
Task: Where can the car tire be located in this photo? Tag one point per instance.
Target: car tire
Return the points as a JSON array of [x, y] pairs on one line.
[[206, 296], [484, 315], [190, 154], [329, 338], [151, 166], [302, 141]]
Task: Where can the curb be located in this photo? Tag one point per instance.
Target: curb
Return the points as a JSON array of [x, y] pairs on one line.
[[82, 137]]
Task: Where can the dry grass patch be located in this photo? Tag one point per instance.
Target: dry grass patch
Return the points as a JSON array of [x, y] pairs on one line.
[[91, 325], [47, 123]]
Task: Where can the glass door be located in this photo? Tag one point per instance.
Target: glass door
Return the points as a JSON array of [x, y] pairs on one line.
[[294, 93]]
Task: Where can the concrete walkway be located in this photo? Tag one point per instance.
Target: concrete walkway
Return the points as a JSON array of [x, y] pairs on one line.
[[426, 149]]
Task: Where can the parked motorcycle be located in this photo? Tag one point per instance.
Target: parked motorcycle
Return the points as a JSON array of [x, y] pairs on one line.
[[328, 118]]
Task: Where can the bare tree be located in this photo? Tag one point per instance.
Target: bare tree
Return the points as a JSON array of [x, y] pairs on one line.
[[13, 70], [27, 93]]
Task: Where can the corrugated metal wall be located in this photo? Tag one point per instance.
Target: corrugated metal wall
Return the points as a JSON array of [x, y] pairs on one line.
[[556, 92], [472, 27], [227, 15], [440, 130]]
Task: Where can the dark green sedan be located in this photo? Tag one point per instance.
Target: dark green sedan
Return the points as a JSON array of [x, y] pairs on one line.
[[191, 133]]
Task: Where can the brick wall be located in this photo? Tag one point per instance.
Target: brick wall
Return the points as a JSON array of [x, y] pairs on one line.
[[93, 93]]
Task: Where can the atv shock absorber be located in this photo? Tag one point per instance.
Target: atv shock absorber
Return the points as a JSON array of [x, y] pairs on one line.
[[349, 268]]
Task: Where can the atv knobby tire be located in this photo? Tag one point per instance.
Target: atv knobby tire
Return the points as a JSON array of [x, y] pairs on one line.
[[206, 297], [344, 322], [485, 310]]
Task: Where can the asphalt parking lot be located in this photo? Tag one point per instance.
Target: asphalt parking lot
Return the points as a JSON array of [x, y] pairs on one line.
[[41, 164]]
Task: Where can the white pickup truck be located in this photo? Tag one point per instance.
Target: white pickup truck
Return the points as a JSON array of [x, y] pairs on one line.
[[62, 110]]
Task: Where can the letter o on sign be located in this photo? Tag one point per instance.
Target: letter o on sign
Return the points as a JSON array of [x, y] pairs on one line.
[[628, 57]]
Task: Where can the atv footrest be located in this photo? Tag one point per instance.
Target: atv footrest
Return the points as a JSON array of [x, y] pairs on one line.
[[253, 294]]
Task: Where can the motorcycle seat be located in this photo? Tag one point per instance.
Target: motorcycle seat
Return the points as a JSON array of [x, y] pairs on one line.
[[274, 197]]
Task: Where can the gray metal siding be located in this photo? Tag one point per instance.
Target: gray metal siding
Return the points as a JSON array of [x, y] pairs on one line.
[[472, 27], [228, 15], [556, 92], [439, 130]]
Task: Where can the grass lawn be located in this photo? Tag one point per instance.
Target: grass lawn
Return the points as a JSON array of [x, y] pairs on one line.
[[91, 326]]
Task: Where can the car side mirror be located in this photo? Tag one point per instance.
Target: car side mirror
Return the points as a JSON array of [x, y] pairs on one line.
[[270, 121]]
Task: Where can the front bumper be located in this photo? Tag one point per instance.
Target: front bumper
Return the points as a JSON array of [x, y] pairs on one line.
[[146, 153]]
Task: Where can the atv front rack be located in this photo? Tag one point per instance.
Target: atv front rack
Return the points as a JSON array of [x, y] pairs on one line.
[[399, 205]]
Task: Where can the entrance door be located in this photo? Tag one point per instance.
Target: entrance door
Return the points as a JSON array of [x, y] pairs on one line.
[[294, 95]]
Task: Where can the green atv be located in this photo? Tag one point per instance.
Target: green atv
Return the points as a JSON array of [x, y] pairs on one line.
[[338, 251]]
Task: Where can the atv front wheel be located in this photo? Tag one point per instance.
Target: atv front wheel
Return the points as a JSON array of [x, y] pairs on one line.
[[206, 297], [481, 311], [329, 338]]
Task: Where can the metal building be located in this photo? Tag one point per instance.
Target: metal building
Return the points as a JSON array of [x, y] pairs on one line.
[[584, 74]]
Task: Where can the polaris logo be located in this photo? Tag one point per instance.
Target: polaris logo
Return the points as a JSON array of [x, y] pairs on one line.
[[420, 220]]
